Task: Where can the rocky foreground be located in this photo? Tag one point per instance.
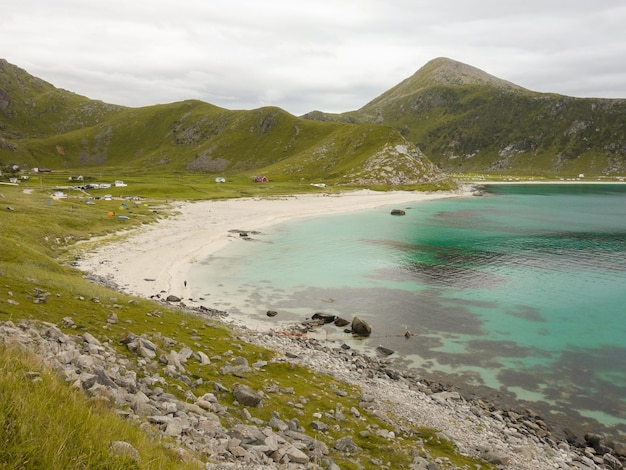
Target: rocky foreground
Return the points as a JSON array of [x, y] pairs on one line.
[[228, 438]]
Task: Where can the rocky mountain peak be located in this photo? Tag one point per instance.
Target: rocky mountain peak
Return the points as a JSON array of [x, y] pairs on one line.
[[444, 71]]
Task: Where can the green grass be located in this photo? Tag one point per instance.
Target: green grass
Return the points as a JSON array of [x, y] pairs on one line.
[[39, 240], [46, 424], [192, 137]]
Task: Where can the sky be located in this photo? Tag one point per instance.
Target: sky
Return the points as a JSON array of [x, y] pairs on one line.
[[305, 55]]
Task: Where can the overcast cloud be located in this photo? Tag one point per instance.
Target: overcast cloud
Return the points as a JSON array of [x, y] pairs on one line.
[[329, 55]]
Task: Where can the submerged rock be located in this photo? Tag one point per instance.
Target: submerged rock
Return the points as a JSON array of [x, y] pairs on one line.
[[384, 351]]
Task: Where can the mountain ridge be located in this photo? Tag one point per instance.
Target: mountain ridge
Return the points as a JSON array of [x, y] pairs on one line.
[[42, 126], [454, 115], [466, 120]]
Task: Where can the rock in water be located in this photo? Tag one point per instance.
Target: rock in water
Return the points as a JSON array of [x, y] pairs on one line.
[[397, 212], [325, 317], [361, 327], [384, 351]]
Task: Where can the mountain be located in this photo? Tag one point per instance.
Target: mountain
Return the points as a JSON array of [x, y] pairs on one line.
[[42, 126], [454, 115], [466, 120]]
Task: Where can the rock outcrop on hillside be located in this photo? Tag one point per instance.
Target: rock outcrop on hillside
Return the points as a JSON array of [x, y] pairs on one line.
[[396, 165]]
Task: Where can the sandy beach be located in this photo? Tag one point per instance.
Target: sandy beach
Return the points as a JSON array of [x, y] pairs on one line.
[[156, 258]]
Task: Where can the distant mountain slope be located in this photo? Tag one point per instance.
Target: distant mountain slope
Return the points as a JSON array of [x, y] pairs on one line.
[[467, 120], [31, 107], [41, 125]]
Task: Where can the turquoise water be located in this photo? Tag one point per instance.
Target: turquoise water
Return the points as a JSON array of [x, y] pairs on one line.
[[522, 290]]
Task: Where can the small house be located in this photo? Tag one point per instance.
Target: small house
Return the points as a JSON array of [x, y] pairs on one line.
[[119, 183], [260, 179]]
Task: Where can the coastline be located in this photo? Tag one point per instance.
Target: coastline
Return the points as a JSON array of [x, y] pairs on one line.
[[156, 258]]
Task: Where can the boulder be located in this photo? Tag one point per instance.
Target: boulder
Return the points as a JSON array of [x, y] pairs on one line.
[[202, 358], [619, 448], [611, 462], [124, 449], [127, 337], [492, 456], [325, 317], [346, 444], [295, 455], [361, 327], [341, 322], [246, 396], [319, 426], [397, 212], [173, 298], [384, 351]]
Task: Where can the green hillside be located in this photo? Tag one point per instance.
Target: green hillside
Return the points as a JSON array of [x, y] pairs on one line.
[[32, 108], [466, 120], [43, 127]]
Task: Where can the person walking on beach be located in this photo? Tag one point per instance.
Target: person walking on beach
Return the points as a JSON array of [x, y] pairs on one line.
[[185, 283]]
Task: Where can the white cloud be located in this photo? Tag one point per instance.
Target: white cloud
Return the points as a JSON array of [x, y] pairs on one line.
[[327, 55]]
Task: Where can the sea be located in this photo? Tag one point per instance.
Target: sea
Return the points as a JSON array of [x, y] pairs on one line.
[[521, 291]]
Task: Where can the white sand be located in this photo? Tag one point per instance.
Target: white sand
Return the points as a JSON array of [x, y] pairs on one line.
[[157, 257]]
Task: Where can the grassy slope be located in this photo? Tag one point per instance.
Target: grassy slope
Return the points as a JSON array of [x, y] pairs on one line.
[[196, 137], [48, 425], [31, 107], [37, 243]]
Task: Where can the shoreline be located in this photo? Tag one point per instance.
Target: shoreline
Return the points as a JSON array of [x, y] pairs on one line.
[[156, 258]]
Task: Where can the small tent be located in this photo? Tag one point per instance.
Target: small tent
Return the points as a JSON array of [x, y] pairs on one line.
[[260, 179]]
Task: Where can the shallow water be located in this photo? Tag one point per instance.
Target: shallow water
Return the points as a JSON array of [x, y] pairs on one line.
[[522, 290]]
